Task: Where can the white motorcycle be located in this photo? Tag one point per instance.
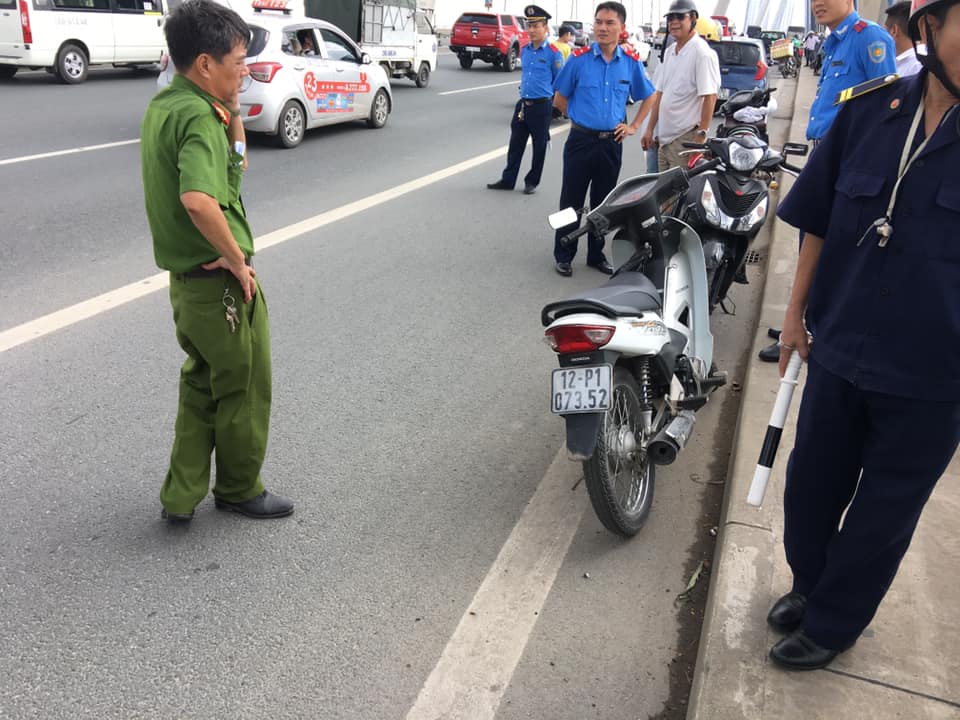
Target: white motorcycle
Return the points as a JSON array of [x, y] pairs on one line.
[[636, 354]]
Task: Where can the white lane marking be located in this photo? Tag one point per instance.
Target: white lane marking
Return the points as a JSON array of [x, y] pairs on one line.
[[479, 87], [70, 151], [473, 673], [33, 329]]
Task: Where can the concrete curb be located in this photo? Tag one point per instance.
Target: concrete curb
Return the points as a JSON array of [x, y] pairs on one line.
[[906, 664]]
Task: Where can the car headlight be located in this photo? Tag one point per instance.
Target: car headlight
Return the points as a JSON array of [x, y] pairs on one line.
[[743, 158]]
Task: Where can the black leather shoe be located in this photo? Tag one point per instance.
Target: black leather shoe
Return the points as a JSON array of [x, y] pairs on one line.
[[499, 185], [176, 518], [264, 505], [771, 353], [740, 276], [798, 652], [529, 189], [604, 267], [787, 613], [564, 269], [773, 333]]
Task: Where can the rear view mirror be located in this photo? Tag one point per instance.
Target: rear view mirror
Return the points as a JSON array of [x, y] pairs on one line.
[[567, 216], [791, 148], [366, 59]]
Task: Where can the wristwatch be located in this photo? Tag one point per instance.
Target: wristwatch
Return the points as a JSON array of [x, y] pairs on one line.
[[700, 131]]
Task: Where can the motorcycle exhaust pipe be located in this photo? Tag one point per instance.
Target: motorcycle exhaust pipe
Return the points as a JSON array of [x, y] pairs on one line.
[[668, 443]]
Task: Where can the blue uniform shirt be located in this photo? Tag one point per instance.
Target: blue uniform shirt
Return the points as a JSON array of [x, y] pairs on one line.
[[855, 52], [597, 90], [540, 69], [886, 319]]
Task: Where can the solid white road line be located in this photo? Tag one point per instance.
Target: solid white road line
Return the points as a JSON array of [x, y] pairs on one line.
[[479, 87], [475, 669], [60, 319], [71, 151]]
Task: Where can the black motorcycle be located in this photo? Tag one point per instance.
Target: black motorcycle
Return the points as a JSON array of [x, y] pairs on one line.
[[756, 98], [728, 205]]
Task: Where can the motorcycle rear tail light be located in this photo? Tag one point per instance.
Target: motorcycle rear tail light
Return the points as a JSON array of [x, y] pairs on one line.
[[565, 339], [264, 71]]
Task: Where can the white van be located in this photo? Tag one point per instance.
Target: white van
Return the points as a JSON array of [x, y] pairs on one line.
[[68, 36]]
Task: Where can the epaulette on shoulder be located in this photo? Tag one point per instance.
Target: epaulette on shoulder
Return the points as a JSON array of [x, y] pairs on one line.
[[631, 51], [865, 87], [581, 51], [860, 25], [553, 47]]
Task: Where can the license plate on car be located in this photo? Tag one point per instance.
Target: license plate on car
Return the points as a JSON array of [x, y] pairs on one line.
[[472, 49], [581, 389]]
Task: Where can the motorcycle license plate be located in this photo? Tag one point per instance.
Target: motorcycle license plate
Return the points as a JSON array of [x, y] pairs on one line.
[[581, 389]]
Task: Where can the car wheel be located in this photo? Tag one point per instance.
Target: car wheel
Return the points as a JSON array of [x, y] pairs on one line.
[[379, 110], [423, 75], [7, 71], [291, 125], [466, 62], [510, 61], [72, 65]]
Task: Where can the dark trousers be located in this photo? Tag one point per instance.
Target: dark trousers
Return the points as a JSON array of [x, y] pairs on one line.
[[534, 123], [897, 448], [590, 162]]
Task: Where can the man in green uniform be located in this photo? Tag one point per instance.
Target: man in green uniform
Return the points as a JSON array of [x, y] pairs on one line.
[[193, 152]]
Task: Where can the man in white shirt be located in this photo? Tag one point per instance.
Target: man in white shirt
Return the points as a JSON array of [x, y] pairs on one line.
[[896, 25], [686, 89]]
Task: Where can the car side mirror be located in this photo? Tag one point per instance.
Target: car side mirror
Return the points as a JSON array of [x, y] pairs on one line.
[[791, 148], [365, 59]]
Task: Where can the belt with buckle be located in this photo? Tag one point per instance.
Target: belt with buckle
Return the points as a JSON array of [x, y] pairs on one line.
[[201, 273], [535, 101], [599, 134]]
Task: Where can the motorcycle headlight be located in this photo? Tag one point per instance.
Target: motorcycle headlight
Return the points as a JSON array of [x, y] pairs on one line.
[[744, 158], [708, 201], [754, 218]]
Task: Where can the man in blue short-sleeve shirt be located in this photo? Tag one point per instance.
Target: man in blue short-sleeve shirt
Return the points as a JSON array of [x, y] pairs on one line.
[[856, 51], [878, 285], [593, 89], [534, 111]]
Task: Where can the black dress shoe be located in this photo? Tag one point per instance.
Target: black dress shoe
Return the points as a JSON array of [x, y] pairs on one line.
[[771, 353], [773, 333], [604, 267], [740, 276], [176, 518], [264, 505], [529, 189], [787, 613], [499, 185], [798, 652], [564, 269]]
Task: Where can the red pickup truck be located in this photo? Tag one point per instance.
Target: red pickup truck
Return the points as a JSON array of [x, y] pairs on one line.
[[490, 37]]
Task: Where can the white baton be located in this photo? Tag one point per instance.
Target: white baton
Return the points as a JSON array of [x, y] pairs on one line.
[[771, 440]]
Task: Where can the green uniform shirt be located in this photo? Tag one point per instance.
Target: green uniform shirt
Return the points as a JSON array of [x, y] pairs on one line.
[[184, 147]]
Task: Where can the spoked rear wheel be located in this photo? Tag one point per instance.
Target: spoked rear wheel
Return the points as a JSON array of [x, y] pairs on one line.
[[620, 475]]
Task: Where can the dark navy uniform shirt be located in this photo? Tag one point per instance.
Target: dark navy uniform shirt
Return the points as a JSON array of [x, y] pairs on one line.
[[597, 90], [540, 70], [887, 319], [855, 52]]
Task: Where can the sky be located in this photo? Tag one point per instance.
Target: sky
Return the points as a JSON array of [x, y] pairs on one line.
[[638, 11]]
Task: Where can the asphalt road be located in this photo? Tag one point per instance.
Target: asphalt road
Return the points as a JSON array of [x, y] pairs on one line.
[[410, 424]]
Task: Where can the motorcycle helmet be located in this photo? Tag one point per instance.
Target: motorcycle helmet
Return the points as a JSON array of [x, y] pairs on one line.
[[684, 7], [919, 12]]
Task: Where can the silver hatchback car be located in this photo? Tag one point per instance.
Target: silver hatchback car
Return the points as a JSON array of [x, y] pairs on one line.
[[305, 73]]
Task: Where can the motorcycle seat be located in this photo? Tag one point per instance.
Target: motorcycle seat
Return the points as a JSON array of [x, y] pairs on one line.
[[623, 295]]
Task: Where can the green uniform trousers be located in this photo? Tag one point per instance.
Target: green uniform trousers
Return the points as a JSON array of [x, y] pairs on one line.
[[225, 393]]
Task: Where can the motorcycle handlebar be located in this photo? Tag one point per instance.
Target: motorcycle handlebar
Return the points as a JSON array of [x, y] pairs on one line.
[[568, 239], [792, 168]]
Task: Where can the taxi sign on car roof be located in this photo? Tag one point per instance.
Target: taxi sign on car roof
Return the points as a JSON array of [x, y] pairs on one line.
[[260, 5]]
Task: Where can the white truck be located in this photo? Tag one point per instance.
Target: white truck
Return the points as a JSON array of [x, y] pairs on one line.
[[396, 34]]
